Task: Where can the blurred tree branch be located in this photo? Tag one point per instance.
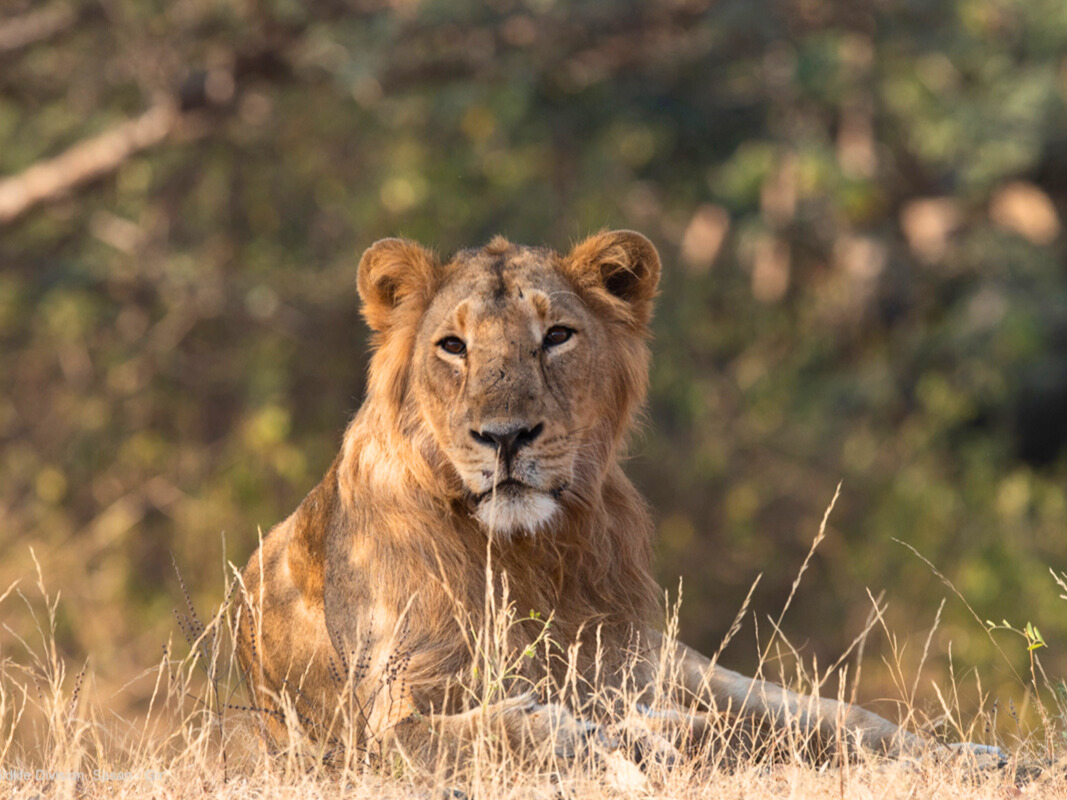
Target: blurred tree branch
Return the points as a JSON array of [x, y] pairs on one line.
[[84, 161], [424, 54], [102, 154], [36, 26]]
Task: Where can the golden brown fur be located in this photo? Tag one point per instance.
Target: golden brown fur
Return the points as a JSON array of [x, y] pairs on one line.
[[481, 474]]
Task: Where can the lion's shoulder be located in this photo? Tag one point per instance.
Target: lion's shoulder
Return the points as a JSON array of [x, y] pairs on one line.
[[311, 524]]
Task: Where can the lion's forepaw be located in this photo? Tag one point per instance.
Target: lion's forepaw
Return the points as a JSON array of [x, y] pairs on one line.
[[641, 745], [569, 736], [986, 756]]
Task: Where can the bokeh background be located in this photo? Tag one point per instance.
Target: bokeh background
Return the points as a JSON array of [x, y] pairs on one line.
[[859, 208]]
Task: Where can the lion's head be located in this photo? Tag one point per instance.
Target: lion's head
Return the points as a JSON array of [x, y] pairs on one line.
[[524, 365]]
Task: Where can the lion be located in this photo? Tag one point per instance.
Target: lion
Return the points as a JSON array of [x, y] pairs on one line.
[[482, 474]]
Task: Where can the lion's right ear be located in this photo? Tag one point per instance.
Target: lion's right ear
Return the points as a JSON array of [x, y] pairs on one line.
[[390, 272]]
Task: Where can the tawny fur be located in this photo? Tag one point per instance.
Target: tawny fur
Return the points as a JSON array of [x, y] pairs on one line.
[[363, 609]]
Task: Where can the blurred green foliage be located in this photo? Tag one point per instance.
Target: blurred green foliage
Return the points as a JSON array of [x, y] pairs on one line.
[[859, 208]]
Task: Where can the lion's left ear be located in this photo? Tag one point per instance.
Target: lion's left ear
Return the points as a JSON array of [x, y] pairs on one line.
[[391, 271], [621, 265]]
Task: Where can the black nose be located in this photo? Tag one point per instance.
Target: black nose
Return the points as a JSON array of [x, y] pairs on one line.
[[507, 441]]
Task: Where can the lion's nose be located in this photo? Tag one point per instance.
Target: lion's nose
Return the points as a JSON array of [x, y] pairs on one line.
[[507, 440]]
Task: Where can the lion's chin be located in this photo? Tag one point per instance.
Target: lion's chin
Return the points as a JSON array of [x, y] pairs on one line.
[[510, 513]]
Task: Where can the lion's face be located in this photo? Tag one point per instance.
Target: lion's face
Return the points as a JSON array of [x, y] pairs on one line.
[[522, 366], [501, 366]]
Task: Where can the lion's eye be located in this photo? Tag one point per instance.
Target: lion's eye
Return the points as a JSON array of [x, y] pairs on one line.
[[557, 335], [453, 345]]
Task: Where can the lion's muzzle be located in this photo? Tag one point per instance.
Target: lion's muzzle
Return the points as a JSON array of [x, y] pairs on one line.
[[507, 439]]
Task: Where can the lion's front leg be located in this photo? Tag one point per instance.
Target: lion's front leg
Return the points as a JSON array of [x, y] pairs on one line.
[[547, 735], [816, 720], [514, 727]]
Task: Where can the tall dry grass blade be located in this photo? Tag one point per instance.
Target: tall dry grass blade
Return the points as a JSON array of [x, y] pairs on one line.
[[873, 616], [735, 626], [925, 653], [803, 568], [952, 588]]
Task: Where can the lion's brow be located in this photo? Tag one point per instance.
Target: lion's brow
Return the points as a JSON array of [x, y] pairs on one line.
[[570, 293]]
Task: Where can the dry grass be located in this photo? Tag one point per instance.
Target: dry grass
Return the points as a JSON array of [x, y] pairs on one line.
[[197, 739]]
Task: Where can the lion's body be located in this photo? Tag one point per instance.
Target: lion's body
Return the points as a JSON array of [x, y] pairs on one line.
[[499, 398], [420, 602]]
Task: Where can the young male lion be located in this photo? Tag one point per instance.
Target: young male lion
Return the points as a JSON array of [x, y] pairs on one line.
[[479, 478]]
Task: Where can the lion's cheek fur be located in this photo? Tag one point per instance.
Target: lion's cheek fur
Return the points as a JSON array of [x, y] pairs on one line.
[[435, 399]]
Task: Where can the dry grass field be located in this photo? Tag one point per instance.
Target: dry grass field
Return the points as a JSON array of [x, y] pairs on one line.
[[199, 739]]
